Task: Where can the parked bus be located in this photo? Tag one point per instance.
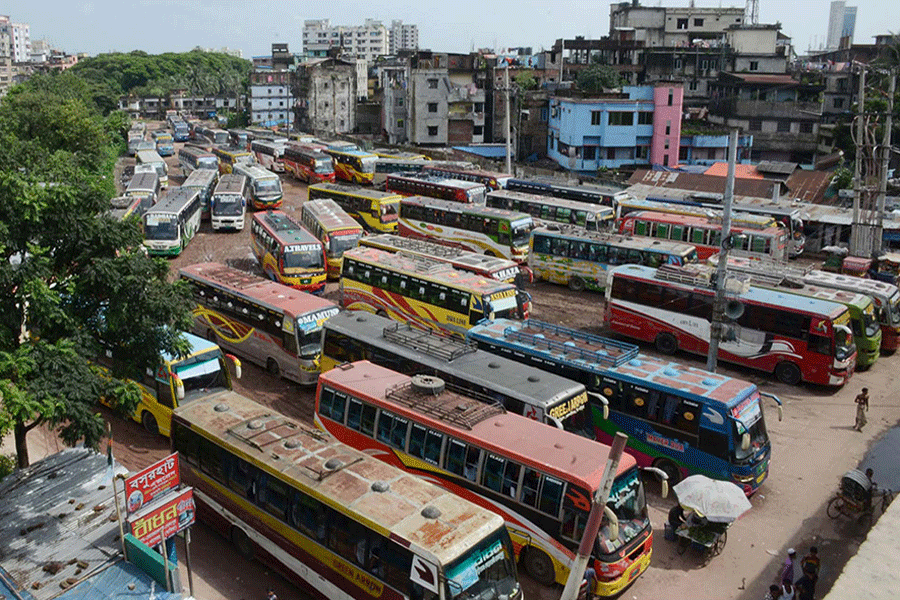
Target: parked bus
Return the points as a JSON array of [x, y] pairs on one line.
[[681, 420], [172, 222], [268, 155], [239, 138], [288, 253], [269, 324], [569, 255], [265, 186], [343, 525], [491, 267], [216, 137], [204, 181], [355, 335], [541, 480], [179, 381], [783, 211], [135, 139], [592, 194], [152, 159], [165, 145], [466, 192], [398, 154], [307, 164], [797, 338], [427, 293], [122, 207], [355, 166], [384, 166], [229, 157], [181, 132], [375, 211], [477, 228], [192, 158], [592, 217], [337, 230], [762, 238], [490, 179], [144, 184], [228, 204]]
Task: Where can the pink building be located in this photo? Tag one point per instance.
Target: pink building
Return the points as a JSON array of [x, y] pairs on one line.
[[668, 98]]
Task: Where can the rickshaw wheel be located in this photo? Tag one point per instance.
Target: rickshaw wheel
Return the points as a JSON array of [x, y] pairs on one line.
[[719, 545], [835, 507]]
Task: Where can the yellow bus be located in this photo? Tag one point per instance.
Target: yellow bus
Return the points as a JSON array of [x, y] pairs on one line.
[[374, 210], [337, 230], [228, 157], [426, 293], [357, 166], [288, 253]]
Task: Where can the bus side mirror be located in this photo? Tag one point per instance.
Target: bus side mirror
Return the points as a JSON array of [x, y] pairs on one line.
[[663, 479], [602, 400], [745, 441], [237, 365], [613, 523], [179, 387], [778, 403]]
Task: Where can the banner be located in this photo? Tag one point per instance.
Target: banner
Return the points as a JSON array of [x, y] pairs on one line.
[[162, 519], [150, 483]]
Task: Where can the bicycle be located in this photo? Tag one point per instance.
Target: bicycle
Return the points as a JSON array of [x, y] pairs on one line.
[[859, 506]]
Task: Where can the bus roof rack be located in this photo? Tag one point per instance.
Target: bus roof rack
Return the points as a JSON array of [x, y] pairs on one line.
[[595, 348], [705, 276], [429, 342], [468, 412]]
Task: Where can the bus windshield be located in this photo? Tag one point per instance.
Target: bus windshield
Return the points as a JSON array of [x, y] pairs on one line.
[[208, 162], [870, 323], [341, 242], [894, 309], [477, 195], [843, 342], [389, 212], [367, 164], [303, 259], [227, 206], [267, 186], [202, 374], [502, 308], [486, 571], [628, 502], [161, 227], [323, 165], [520, 232]]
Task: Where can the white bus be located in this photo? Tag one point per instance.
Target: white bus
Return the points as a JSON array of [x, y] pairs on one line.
[[204, 181], [229, 202], [153, 159], [170, 225], [144, 184], [192, 158], [265, 186], [268, 154]]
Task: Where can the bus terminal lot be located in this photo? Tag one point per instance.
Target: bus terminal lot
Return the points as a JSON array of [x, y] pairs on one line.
[[812, 447]]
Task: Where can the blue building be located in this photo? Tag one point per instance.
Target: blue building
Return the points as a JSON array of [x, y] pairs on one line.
[[700, 147]]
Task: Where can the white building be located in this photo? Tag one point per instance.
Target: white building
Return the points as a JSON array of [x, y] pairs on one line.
[[18, 39], [40, 51], [403, 36], [841, 24], [271, 101], [363, 41]]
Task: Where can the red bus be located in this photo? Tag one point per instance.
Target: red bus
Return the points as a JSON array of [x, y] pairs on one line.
[[540, 479], [491, 179], [308, 164], [412, 184], [798, 338], [754, 235]]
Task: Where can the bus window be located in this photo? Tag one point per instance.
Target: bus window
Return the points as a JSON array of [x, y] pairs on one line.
[[392, 430], [551, 496], [492, 474], [530, 487]]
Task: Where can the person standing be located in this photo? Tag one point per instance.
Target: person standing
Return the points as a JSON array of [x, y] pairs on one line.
[[862, 407], [774, 593], [787, 569], [787, 590], [809, 567], [805, 587]]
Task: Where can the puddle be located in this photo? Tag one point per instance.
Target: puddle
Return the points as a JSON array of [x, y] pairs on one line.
[[882, 457]]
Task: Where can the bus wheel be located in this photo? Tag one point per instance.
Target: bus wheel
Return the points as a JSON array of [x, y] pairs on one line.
[[666, 343], [242, 542], [576, 284], [272, 367], [382, 313], [149, 422], [788, 373], [670, 469], [539, 566]]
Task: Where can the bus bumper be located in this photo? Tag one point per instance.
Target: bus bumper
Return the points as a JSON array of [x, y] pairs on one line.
[[614, 586]]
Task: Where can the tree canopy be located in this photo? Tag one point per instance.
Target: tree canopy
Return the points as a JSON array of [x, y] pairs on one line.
[[597, 78], [74, 281]]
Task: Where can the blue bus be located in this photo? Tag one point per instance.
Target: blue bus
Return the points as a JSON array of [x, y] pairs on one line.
[[681, 420]]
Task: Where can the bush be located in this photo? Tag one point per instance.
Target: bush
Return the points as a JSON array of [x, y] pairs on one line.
[[7, 465]]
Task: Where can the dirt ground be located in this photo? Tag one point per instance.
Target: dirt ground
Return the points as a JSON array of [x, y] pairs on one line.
[[812, 447]]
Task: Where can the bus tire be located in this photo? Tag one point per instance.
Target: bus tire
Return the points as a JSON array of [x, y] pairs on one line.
[[149, 422], [382, 313], [670, 469], [539, 566], [242, 542], [666, 343], [272, 367], [576, 284], [788, 373]]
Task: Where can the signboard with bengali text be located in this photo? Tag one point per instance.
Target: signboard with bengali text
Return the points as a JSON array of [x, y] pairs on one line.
[[151, 482], [164, 518]]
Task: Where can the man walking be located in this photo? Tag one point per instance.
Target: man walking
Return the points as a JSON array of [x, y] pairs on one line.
[[862, 406], [787, 569]]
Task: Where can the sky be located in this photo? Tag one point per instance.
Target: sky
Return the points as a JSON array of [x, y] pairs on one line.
[[157, 26]]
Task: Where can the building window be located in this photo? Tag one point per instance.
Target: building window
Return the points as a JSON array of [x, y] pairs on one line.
[[681, 24], [596, 116], [432, 130], [755, 125], [432, 83], [670, 97], [478, 130], [683, 153], [665, 160], [678, 63], [590, 152], [610, 154], [693, 85], [642, 152], [838, 103], [618, 118], [698, 22], [432, 107], [754, 65], [645, 118], [807, 128], [545, 113], [784, 126], [668, 127], [400, 123], [667, 143]]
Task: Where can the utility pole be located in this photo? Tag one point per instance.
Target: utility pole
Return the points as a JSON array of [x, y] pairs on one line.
[[718, 313], [856, 245], [877, 242], [508, 144]]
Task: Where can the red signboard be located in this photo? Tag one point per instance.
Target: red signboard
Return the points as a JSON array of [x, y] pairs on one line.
[[150, 483], [164, 518]]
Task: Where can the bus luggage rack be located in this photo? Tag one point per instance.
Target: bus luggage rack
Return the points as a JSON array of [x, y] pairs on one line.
[[425, 266], [430, 342], [602, 350], [703, 275], [466, 411]]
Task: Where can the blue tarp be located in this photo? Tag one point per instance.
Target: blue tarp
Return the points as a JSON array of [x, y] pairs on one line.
[[113, 584], [487, 151]]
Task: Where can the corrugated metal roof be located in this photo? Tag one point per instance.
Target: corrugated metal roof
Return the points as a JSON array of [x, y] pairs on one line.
[[757, 188], [741, 171], [809, 186], [57, 522], [781, 168]]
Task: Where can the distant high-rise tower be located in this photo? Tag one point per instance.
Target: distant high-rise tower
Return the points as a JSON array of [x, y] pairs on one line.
[[841, 24]]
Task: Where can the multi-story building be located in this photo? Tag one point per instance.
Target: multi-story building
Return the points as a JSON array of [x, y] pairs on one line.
[[393, 78], [40, 51], [403, 36], [150, 107], [365, 41], [705, 144], [671, 26], [19, 39], [639, 126], [271, 98], [327, 91], [841, 25]]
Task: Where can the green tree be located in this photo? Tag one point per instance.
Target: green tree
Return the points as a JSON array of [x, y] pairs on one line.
[[596, 78], [525, 80], [74, 282]]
